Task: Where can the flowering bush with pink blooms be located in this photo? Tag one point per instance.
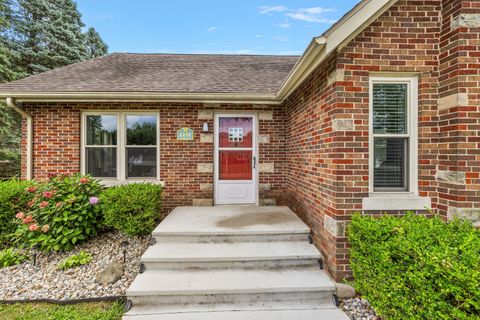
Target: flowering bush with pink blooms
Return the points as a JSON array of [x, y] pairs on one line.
[[14, 199], [62, 213]]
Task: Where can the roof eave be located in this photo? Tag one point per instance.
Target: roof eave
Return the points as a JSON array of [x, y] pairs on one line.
[[236, 98]]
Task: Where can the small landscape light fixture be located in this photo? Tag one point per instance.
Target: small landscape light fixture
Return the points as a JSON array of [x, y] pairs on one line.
[[205, 127], [35, 247], [124, 245]]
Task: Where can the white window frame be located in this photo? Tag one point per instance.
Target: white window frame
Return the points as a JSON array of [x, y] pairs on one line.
[[412, 134], [121, 145]]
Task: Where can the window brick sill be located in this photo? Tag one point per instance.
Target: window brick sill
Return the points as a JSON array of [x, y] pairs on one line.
[[113, 183], [396, 201]]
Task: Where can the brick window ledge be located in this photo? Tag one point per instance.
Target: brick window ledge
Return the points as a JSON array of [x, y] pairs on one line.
[[113, 182], [396, 201]]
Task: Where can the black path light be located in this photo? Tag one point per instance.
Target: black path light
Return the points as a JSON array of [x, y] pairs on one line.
[[124, 245], [35, 249]]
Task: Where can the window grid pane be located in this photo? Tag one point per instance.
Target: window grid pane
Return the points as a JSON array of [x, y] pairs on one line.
[[390, 165], [390, 108], [141, 130], [101, 130], [101, 162], [141, 162]]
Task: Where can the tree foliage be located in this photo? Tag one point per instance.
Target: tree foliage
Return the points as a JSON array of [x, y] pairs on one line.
[[37, 36], [94, 44]]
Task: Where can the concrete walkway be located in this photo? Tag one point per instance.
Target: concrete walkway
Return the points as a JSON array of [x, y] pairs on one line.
[[232, 262]]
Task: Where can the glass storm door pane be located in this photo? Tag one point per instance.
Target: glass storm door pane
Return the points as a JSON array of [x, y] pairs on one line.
[[101, 161], [141, 130], [235, 132], [141, 162], [101, 130], [235, 148], [390, 164], [235, 165]]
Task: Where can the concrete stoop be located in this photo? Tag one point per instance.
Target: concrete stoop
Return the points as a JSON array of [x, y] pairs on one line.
[[232, 262]]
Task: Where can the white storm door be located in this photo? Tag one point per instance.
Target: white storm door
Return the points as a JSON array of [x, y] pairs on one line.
[[235, 159]]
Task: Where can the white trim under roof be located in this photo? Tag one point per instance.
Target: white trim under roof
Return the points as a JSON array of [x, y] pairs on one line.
[[340, 34]]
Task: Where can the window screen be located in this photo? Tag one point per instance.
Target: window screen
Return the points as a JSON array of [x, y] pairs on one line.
[[101, 145], [390, 136]]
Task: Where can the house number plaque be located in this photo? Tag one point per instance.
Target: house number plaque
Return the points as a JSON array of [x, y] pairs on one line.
[[185, 134]]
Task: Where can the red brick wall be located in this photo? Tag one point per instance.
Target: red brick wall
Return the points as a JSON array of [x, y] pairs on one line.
[[328, 175], [56, 146], [459, 137]]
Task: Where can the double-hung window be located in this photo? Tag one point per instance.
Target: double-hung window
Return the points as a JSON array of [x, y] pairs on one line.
[[121, 145], [393, 135]]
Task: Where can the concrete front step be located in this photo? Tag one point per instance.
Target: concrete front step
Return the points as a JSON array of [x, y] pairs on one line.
[[227, 289], [310, 314], [232, 255], [231, 224], [239, 262]]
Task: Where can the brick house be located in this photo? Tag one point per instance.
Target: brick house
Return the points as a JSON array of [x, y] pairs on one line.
[[380, 114]]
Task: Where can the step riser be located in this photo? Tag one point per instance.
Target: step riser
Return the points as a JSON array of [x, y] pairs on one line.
[[231, 238], [209, 265], [272, 301]]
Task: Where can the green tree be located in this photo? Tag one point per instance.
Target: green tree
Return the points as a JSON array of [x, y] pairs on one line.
[[94, 44], [48, 35], [9, 120], [37, 36], [7, 71]]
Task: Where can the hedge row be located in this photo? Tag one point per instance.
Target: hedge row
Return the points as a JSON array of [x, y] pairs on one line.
[[415, 267]]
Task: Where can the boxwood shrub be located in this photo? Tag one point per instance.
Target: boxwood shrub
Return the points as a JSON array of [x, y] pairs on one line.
[[14, 197], [414, 267], [133, 209]]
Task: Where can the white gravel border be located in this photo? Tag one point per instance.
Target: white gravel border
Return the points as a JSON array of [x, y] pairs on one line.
[[358, 309], [45, 281]]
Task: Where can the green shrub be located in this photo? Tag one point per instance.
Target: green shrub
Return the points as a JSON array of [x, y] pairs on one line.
[[417, 268], [133, 209], [75, 260], [14, 198], [10, 257], [63, 214]]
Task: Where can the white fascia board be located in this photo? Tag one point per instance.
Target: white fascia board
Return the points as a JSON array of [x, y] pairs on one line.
[[312, 57], [355, 22], [337, 36]]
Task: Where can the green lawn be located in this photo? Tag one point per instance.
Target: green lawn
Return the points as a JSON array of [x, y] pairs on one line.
[[46, 311]]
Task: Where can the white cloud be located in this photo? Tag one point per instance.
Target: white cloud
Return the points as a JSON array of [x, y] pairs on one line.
[[268, 9], [211, 29], [285, 24], [259, 36], [312, 14]]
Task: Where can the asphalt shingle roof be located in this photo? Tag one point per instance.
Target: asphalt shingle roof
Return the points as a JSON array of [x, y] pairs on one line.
[[169, 73]]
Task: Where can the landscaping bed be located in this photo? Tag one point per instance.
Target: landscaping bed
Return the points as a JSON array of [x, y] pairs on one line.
[[358, 309], [46, 281], [65, 238]]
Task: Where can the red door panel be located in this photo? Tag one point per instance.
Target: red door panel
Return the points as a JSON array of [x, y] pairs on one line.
[[235, 165]]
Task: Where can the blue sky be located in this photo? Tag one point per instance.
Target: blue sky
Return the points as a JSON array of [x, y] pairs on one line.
[[211, 26]]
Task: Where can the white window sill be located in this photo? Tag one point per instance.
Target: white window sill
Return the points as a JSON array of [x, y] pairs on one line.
[[112, 183], [396, 201]]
